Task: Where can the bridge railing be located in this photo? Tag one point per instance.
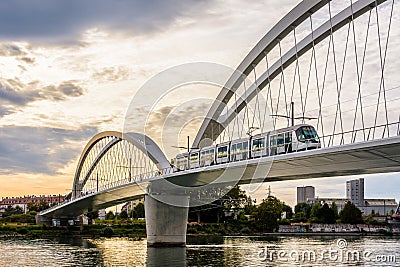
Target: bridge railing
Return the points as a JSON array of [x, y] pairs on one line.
[[127, 180], [360, 135]]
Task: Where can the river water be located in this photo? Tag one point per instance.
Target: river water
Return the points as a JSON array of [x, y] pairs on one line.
[[205, 251]]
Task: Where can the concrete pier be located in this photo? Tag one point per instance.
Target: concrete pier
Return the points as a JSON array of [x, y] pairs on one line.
[[166, 225]]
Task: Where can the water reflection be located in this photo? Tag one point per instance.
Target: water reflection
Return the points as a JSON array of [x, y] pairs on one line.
[[200, 251], [166, 257]]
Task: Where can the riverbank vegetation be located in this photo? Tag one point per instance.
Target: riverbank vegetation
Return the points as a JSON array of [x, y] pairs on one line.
[[234, 214]]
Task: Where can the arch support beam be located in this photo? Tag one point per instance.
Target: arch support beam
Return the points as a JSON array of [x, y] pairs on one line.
[[338, 21], [295, 17], [141, 141], [214, 123]]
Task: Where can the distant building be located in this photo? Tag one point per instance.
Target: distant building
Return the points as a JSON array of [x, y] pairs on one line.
[[102, 214], [25, 200], [355, 194], [305, 192], [355, 191]]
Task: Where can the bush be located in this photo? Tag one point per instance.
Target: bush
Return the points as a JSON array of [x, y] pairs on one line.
[[22, 231], [108, 232], [245, 231]]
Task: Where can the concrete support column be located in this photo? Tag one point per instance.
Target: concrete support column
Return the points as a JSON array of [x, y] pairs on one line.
[[166, 224]]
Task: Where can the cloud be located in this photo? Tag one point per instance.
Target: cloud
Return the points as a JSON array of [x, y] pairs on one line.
[[111, 74], [65, 20], [9, 50], [14, 93], [40, 150]]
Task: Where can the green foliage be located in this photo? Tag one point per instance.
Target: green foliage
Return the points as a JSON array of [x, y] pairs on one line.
[[322, 214], [334, 208], [214, 212], [350, 214], [288, 210], [249, 206], [284, 222], [108, 232], [110, 216], [236, 198], [123, 215], [10, 210], [326, 214], [42, 205], [300, 217], [93, 214], [315, 212], [267, 214], [305, 210], [139, 210]]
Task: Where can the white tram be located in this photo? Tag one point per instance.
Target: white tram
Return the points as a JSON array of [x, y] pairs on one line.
[[287, 140]]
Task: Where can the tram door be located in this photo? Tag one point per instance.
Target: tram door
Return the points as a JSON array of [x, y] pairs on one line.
[[288, 142], [272, 144]]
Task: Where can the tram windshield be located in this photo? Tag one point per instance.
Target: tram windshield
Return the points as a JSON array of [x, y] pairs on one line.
[[307, 133]]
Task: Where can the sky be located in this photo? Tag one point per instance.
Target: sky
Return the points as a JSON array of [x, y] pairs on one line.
[[69, 69]]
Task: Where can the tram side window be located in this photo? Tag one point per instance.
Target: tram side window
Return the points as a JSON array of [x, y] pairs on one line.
[[233, 151], [244, 150], [222, 152], [207, 157], [194, 157], [258, 144], [239, 148], [280, 140], [272, 143]]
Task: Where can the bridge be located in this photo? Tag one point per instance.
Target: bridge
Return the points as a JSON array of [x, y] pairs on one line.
[[335, 60]]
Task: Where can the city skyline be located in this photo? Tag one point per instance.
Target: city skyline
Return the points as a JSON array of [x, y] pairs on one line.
[[74, 70]]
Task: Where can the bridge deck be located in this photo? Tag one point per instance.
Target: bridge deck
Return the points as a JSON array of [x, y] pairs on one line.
[[377, 156]]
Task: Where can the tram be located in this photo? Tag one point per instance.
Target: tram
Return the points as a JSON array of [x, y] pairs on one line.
[[286, 140]]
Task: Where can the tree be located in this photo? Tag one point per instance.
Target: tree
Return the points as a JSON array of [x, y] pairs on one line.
[[304, 208], [267, 214], [123, 214], [10, 210], [334, 208], [42, 205], [110, 216], [92, 215], [288, 210], [314, 213], [326, 214], [249, 206], [350, 214], [236, 198], [18, 210], [139, 210]]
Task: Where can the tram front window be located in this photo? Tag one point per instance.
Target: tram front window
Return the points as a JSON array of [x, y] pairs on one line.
[[307, 133]]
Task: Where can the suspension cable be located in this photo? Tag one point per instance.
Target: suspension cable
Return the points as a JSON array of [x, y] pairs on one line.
[[269, 91], [338, 89], [283, 81], [383, 61], [360, 73]]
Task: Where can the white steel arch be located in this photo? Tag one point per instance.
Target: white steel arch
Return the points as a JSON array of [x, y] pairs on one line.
[[142, 142], [215, 123]]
